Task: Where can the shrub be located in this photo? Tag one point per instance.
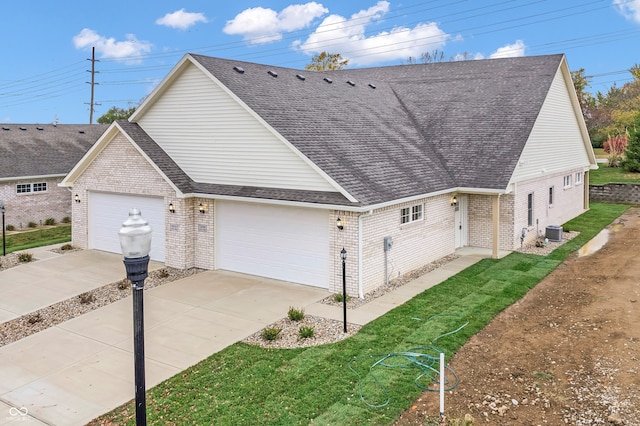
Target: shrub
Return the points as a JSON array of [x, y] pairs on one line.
[[306, 331], [32, 225], [34, 319], [615, 145], [123, 284], [339, 298], [66, 247], [66, 219], [86, 298], [10, 228], [25, 257], [162, 273], [270, 333], [632, 161], [49, 221], [295, 314]]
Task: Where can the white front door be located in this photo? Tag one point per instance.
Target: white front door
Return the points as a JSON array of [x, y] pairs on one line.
[[280, 242], [461, 221], [107, 212]]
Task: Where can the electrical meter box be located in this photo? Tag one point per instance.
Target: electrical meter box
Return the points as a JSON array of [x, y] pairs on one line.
[[388, 243]]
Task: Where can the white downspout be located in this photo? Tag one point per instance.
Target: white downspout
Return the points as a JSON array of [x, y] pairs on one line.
[[360, 226]]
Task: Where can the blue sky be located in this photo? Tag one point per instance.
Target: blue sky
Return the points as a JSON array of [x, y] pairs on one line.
[[46, 45]]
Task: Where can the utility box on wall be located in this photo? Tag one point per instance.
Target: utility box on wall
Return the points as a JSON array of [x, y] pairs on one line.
[[388, 243]]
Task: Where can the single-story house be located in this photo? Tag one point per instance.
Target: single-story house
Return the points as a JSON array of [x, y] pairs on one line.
[[273, 171], [33, 160]]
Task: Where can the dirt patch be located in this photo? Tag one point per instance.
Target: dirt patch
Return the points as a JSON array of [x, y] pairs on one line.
[[567, 353]]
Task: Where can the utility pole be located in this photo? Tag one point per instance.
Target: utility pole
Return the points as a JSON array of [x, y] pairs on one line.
[[93, 82]]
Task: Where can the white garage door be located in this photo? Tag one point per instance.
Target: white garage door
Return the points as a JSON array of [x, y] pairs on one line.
[[108, 211], [284, 243]]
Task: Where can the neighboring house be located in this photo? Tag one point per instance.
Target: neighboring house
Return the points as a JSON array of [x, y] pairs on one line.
[[251, 168], [33, 160]]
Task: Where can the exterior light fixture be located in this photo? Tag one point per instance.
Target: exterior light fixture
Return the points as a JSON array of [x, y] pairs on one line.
[[339, 224], [76, 198], [172, 208], [135, 241], [202, 208], [454, 201]]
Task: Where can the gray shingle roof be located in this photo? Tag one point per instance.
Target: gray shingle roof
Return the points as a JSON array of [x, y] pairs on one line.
[[423, 128], [44, 149]]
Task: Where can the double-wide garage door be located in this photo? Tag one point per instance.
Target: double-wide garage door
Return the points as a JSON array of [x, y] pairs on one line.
[[284, 243], [108, 211]]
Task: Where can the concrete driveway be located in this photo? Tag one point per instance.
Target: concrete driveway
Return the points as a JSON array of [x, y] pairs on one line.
[[82, 368]]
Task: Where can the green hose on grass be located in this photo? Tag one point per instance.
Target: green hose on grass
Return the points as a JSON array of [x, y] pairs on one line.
[[419, 358]]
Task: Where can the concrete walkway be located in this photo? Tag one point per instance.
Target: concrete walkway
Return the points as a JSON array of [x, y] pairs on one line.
[[80, 369]]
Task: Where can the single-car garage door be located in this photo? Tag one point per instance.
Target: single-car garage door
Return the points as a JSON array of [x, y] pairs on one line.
[[108, 211], [284, 243]]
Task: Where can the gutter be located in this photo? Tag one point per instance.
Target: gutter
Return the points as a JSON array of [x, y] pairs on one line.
[[347, 208]]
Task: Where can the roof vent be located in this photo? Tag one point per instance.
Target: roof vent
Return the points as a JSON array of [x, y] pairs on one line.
[[301, 77], [328, 80], [373, 86], [351, 83], [273, 73], [40, 128], [5, 128], [240, 70], [81, 131], [23, 128]]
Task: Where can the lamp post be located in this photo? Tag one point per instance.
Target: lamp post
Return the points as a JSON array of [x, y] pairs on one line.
[[135, 240], [343, 256], [4, 245]]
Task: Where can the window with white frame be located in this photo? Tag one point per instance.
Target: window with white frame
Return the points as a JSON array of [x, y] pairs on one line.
[[39, 187], [530, 209], [567, 181], [27, 188], [578, 178], [411, 214]]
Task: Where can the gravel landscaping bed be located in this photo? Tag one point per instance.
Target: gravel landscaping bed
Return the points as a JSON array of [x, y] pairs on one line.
[[324, 331], [354, 302], [57, 313]]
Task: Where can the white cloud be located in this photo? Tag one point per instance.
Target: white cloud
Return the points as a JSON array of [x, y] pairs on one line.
[[181, 20], [630, 9], [467, 56], [337, 34], [109, 48], [259, 25], [510, 50]]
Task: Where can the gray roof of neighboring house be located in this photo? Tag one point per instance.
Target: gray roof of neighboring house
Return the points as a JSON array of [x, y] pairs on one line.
[[44, 149], [404, 130]]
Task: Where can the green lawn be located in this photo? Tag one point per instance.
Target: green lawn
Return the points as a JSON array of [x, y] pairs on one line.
[[606, 174], [24, 240], [244, 384]]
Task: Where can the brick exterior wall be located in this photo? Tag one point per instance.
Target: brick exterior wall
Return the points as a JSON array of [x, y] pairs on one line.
[[567, 204], [346, 238], [480, 221], [120, 168], [415, 244], [627, 193], [36, 207]]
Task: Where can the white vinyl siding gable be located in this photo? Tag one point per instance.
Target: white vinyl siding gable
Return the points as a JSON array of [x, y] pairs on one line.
[[555, 142], [214, 139]]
